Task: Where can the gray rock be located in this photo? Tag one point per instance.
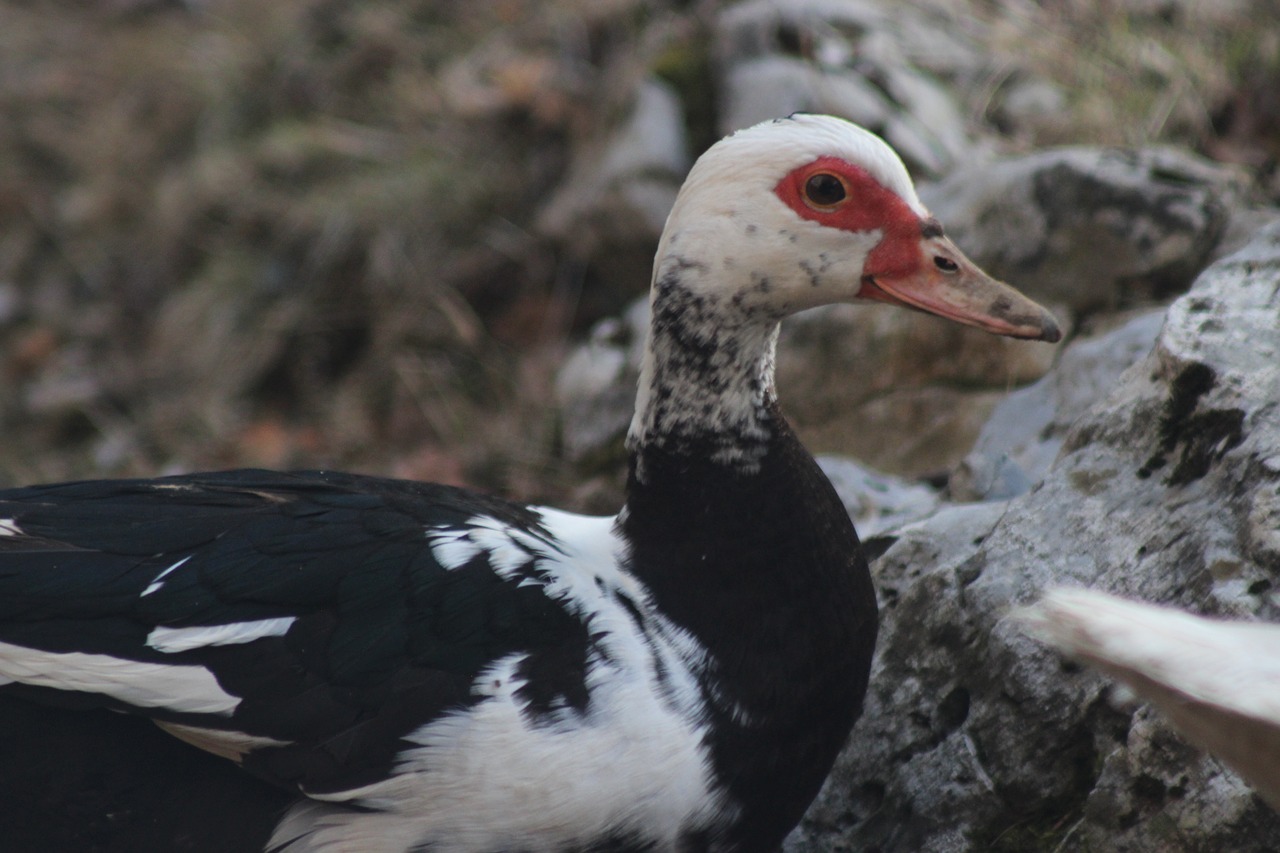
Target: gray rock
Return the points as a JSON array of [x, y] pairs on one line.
[[1088, 227], [851, 377], [856, 58], [596, 386], [1025, 432], [11, 302], [877, 502], [1028, 102], [1245, 221], [1169, 787], [770, 86], [988, 477], [975, 737]]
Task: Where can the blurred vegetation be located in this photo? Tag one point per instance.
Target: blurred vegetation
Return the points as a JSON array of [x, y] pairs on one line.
[[298, 233], [1201, 73], [276, 233]]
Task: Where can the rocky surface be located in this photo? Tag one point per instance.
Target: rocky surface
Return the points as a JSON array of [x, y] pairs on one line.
[[1092, 228], [1025, 432], [977, 738], [1216, 680], [864, 59], [878, 503]]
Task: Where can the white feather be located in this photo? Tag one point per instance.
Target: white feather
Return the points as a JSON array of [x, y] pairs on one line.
[[165, 639], [1218, 682], [9, 527], [1233, 665], [230, 745], [506, 548], [158, 580], [451, 547], [191, 689]]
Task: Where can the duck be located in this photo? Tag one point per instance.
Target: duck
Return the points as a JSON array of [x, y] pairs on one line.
[[379, 665]]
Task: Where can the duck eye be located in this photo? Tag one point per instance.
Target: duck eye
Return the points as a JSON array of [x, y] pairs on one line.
[[824, 190]]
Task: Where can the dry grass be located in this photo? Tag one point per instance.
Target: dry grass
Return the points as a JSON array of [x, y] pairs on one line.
[[1139, 72], [261, 233]]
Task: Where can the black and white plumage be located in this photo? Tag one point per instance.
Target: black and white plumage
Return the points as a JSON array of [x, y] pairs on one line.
[[417, 667]]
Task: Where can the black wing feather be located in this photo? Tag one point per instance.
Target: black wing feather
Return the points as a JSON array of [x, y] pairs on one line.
[[385, 638]]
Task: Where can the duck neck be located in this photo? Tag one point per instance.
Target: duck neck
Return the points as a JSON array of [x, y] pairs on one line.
[[741, 541], [706, 381]]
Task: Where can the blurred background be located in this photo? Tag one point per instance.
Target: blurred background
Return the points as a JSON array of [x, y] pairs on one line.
[[366, 235]]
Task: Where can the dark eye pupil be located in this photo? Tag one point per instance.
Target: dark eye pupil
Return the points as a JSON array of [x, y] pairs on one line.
[[824, 189]]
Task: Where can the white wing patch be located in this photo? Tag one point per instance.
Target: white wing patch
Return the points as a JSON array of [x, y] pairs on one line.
[[158, 581], [452, 548], [481, 779], [506, 548], [9, 527], [191, 689], [184, 639]]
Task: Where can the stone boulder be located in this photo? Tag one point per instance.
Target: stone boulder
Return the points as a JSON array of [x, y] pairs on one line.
[[596, 388], [1091, 228], [877, 502], [905, 393], [976, 737], [1024, 434], [876, 63]]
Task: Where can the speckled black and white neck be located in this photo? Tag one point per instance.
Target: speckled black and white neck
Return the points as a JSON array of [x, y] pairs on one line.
[[706, 382]]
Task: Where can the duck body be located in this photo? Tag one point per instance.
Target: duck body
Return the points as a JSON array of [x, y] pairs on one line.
[[413, 667], [435, 656]]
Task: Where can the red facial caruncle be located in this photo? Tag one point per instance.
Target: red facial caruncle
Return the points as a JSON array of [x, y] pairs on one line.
[[913, 263], [838, 194]]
